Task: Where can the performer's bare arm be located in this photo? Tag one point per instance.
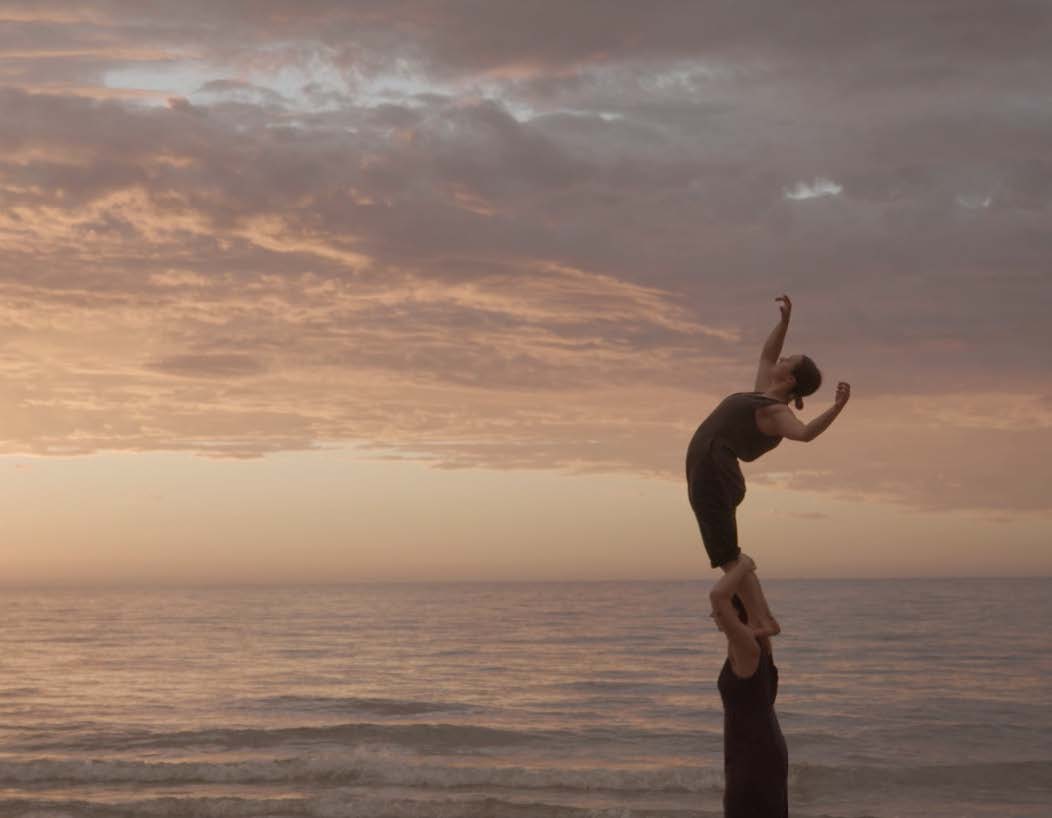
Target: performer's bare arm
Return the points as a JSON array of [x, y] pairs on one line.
[[773, 347], [780, 420], [742, 647]]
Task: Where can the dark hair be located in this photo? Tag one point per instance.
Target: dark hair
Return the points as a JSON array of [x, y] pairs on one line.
[[808, 379], [739, 606]]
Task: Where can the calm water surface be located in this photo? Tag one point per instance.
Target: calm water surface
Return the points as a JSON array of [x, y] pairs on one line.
[[907, 699]]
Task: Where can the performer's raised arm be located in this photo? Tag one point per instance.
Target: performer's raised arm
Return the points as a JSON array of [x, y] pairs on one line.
[[773, 347]]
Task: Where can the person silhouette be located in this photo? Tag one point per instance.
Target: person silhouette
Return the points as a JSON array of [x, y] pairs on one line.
[[755, 756], [744, 426]]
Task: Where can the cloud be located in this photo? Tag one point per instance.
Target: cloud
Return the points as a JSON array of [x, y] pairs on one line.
[[947, 453], [513, 236], [816, 189], [805, 515], [208, 366]]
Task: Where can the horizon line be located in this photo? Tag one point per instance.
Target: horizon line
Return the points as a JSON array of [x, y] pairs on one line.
[[263, 585]]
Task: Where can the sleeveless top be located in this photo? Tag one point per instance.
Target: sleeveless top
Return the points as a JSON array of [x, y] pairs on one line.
[[731, 430], [755, 757]]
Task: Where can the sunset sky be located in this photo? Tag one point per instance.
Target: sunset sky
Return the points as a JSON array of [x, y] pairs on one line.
[[327, 291]]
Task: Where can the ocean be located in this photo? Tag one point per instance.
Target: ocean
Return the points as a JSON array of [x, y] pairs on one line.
[[898, 699]]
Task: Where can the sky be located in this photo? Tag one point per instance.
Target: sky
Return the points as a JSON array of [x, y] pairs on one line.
[[326, 291]]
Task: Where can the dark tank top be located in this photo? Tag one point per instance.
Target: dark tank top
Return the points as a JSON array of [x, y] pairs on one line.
[[755, 758], [731, 430]]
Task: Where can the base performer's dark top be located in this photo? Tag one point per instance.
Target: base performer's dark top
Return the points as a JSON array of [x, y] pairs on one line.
[[715, 483], [755, 759]]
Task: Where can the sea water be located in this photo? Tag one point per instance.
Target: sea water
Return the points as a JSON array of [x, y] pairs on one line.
[[913, 699]]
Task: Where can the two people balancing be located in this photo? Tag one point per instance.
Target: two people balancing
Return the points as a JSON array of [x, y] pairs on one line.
[[744, 426]]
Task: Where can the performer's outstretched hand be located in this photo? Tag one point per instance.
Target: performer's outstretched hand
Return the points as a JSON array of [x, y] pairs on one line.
[[843, 394], [786, 307]]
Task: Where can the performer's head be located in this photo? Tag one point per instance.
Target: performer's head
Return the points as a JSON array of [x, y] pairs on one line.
[[802, 375]]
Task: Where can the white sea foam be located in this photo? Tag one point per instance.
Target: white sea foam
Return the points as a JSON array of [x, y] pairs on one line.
[[379, 766]]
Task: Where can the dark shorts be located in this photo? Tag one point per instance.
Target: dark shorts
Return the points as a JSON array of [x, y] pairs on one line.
[[715, 489]]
